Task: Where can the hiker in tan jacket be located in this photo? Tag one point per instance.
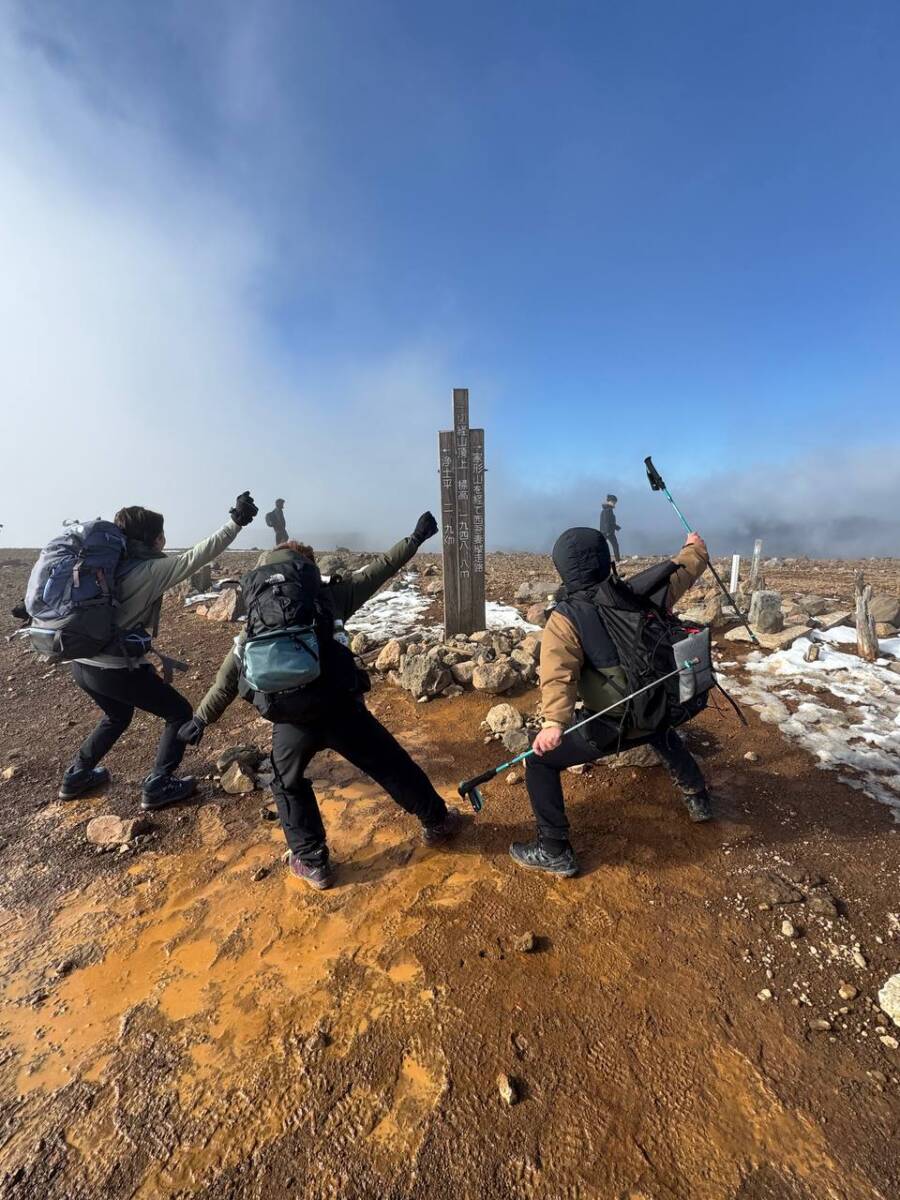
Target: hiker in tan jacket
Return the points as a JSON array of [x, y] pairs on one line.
[[579, 661]]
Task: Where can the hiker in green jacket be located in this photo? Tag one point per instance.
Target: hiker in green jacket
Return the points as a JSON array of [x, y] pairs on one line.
[[118, 685], [328, 713]]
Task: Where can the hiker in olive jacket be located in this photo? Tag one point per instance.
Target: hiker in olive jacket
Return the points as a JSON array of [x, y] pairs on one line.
[[333, 716], [118, 684], [581, 557]]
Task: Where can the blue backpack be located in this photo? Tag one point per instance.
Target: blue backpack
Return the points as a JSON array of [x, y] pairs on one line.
[[71, 594]]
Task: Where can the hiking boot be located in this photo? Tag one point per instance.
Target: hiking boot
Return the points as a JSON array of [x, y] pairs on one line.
[[533, 856], [159, 791], [318, 875], [698, 806], [77, 781], [445, 830]]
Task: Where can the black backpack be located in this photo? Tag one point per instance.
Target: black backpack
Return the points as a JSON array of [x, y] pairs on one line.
[[626, 624], [291, 663]]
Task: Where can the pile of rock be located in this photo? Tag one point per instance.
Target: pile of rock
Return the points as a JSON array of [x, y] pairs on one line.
[[536, 599], [509, 726], [243, 769], [492, 661]]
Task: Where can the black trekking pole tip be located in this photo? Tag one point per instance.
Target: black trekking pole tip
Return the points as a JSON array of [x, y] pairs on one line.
[[657, 482]]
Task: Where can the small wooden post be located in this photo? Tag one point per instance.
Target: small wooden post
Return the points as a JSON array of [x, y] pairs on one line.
[[756, 580], [735, 573], [866, 638]]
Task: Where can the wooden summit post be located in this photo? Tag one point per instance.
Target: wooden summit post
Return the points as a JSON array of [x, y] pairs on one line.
[[462, 520]]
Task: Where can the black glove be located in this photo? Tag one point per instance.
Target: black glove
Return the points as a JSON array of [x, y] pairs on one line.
[[426, 527], [192, 731], [244, 510]]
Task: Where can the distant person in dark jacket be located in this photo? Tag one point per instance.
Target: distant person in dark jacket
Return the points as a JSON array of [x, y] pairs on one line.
[[608, 526], [275, 520]]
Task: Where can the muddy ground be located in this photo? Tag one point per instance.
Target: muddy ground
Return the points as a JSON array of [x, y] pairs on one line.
[[183, 1020]]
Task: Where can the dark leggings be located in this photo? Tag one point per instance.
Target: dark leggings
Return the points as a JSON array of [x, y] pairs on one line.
[[545, 787], [118, 692]]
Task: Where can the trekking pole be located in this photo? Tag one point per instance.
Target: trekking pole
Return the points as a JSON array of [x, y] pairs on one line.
[[469, 788], [658, 484]]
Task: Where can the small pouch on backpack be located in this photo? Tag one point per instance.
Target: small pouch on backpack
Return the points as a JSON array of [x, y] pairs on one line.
[[695, 676]]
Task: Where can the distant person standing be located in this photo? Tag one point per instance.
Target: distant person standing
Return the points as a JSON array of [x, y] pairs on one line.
[[275, 520], [608, 526]]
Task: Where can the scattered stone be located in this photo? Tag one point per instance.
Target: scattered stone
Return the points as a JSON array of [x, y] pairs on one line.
[[860, 959], [813, 650], [578, 769], [495, 677], [531, 644], [509, 1093], [889, 1042], [770, 888], [820, 1025], [788, 929], [885, 608], [536, 591], [751, 756], [237, 780], [8, 773], [884, 630], [526, 944], [889, 999], [268, 812], [422, 676], [513, 779], [389, 658], [847, 991], [765, 994], [435, 588], [639, 756], [516, 741], [503, 717], [107, 830], [765, 612], [463, 672], [227, 607], [248, 756], [769, 641], [259, 873], [360, 643], [452, 691], [832, 620], [813, 606], [822, 903]]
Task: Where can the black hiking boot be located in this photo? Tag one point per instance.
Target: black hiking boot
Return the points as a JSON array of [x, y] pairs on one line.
[[698, 806], [159, 791], [533, 856], [78, 780], [445, 830], [318, 875]]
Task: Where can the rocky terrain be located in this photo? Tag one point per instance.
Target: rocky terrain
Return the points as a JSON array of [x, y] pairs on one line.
[[706, 1012]]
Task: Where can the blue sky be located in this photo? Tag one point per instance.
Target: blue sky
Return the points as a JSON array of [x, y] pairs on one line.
[[285, 231]]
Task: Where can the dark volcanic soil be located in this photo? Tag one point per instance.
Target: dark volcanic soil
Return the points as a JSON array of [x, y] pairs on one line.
[[180, 1020]]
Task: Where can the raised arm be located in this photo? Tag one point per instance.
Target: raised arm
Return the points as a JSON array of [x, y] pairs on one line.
[[169, 572], [351, 593]]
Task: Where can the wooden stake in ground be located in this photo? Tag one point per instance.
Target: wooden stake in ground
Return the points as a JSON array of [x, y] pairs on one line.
[[866, 638]]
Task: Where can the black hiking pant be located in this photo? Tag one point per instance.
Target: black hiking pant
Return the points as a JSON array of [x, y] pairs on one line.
[[349, 728], [542, 772], [613, 545], [118, 692]]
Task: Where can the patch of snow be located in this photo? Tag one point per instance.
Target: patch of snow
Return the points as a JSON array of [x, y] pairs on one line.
[[860, 739], [396, 613], [201, 598], [846, 635], [391, 613]]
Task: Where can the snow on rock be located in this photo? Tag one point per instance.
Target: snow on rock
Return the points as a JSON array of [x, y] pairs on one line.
[[391, 614], [860, 738]]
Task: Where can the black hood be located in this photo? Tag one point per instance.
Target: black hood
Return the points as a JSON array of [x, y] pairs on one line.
[[582, 558]]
